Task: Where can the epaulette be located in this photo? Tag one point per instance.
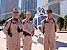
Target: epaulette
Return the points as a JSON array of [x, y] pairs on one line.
[[9, 20], [23, 21]]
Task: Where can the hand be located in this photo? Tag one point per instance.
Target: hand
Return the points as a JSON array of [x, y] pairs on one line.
[[32, 34]]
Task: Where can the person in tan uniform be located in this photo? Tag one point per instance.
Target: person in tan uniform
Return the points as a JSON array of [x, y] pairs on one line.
[[28, 31], [49, 29], [12, 29]]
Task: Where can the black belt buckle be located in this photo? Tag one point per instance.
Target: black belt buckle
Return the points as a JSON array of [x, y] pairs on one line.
[[10, 35]]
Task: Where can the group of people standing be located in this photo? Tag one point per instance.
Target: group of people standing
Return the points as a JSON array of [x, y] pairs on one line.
[[13, 28]]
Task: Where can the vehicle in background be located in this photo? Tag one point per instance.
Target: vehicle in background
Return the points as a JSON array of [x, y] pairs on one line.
[[38, 18]]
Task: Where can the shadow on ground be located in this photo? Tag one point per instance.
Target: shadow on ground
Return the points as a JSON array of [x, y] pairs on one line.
[[40, 40], [60, 44]]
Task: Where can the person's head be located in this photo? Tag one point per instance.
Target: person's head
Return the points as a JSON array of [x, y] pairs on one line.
[[28, 15], [15, 13], [49, 14]]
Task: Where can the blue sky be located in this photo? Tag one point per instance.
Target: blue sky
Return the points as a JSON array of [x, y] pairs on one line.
[[39, 3]]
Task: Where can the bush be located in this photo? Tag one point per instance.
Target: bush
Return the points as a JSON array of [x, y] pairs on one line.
[[3, 21], [22, 15], [9, 17], [60, 22], [65, 24]]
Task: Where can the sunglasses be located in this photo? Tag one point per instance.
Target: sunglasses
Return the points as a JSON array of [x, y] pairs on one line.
[[15, 12]]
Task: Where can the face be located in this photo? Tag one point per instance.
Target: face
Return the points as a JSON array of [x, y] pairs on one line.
[[49, 15], [15, 14], [28, 16]]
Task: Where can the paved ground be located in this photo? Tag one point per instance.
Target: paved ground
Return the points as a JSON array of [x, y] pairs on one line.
[[61, 41]]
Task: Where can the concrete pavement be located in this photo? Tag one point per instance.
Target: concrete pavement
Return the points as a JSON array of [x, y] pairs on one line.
[[61, 42], [37, 41]]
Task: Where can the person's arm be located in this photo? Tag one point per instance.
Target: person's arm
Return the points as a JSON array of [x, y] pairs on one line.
[[55, 25], [42, 28], [32, 33], [5, 29]]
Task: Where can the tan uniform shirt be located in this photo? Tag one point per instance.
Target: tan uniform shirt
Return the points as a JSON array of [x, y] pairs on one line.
[[14, 41], [49, 26], [27, 27], [49, 33]]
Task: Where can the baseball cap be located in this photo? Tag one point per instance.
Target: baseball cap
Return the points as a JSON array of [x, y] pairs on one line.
[[49, 11], [28, 12]]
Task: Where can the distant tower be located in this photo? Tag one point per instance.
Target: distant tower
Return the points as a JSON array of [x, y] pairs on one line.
[[29, 5], [44, 4]]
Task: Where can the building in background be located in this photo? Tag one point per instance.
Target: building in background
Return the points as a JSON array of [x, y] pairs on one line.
[[29, 5], [2, 9], [44, 4], [55, 7], [63, 8], [9, 5], [58, 8]]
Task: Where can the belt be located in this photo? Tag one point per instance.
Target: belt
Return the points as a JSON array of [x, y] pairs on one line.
[[26, 34]]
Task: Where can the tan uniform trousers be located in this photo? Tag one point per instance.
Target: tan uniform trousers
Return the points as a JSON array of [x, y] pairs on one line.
[[13, 43], [49, 42], [27, 43]]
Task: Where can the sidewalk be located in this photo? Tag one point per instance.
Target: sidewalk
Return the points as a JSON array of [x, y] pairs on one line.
[[35, 44], [61, 41]]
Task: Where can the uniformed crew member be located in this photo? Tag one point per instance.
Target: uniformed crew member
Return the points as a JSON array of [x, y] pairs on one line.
[[12, 29], [28, 31], [49, 29]]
